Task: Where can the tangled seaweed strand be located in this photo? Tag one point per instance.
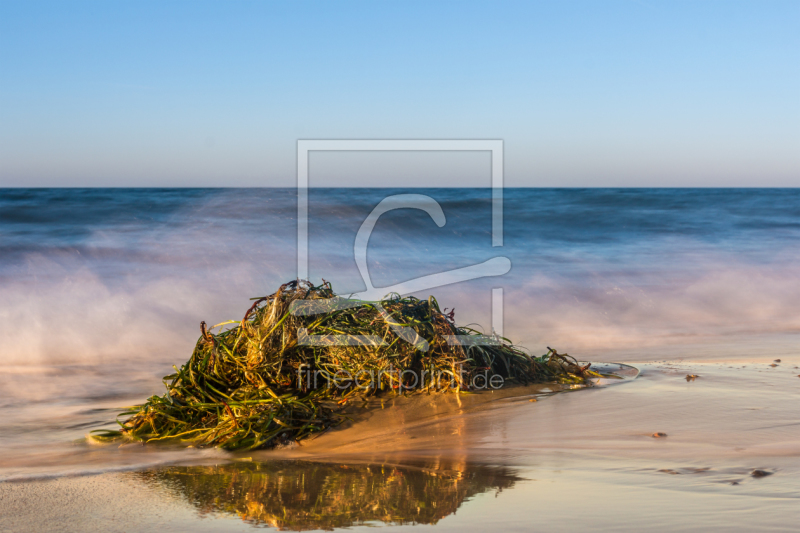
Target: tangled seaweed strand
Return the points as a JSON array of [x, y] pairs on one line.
[[251, 386]]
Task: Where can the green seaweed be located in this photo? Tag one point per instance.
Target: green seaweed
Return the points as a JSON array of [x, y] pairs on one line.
[[275, 377]]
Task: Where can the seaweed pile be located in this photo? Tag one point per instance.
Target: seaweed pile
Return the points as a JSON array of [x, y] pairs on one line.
[[286, 369]]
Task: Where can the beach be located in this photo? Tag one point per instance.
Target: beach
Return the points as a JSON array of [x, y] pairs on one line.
[[582, 459], [697, 289]]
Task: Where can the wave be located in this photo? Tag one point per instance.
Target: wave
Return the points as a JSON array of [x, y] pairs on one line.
[[119, 275]]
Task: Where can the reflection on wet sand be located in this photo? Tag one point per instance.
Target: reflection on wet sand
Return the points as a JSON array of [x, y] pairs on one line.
[[303, 495]]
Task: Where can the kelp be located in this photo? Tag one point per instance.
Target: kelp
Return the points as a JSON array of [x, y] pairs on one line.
[[285, 370]]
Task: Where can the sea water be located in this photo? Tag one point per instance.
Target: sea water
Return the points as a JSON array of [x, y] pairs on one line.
[[103, 290]]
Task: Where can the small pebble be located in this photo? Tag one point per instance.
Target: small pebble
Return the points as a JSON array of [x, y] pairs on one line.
[[658, 435], [532, 400], [773, 365], [691, 377], [760, 473], [777, 361]]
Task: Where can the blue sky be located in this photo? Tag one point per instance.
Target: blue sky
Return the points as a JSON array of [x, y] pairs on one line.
[[612, 93]]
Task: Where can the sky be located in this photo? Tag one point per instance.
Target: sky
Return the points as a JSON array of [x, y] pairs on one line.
[[583, 94]]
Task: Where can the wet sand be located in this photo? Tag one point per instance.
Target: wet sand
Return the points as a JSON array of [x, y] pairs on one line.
[[583, 459]]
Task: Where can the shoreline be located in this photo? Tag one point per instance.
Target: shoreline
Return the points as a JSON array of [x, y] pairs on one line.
[[563, 450]]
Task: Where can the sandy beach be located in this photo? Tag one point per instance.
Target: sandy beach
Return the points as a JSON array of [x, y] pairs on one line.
[[716, 301], [576, 459]]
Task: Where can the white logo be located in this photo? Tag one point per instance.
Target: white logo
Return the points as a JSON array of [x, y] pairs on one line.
[[496, 266]]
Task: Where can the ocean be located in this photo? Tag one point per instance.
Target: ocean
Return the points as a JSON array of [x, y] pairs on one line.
[[103, 290]]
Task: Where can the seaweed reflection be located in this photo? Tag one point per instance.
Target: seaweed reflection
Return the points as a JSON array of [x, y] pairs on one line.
[[301, 495]]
